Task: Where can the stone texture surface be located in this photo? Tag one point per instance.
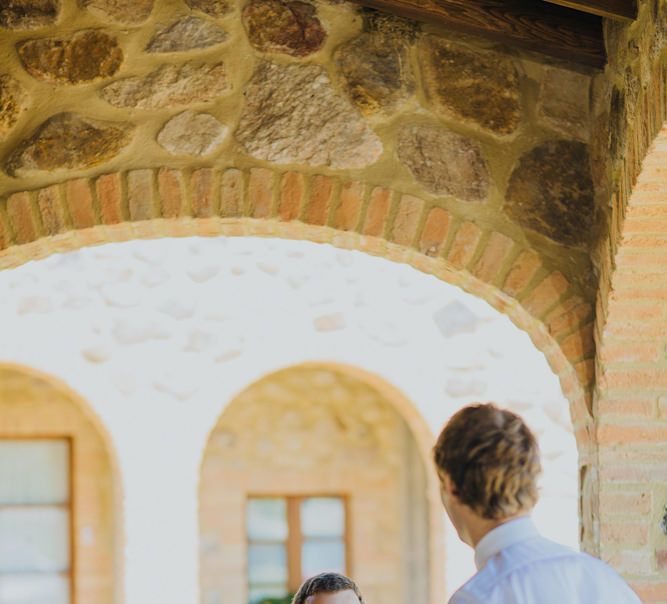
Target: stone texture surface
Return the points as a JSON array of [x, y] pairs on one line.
[[122, 11], [28, 14], [444, 161], [551, 192], [214, 8], [564, 102], [377, 71], [191, 133], [13, 101], [293, 115], [287, 27], [86, 56], [187, 34], [472, 85], [169, 86], [70, 141]]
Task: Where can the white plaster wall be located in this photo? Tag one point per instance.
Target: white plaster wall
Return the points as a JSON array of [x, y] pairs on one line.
[[160, 335]]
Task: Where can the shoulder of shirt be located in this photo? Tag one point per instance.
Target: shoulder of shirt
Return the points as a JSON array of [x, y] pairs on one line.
[[527, 553]]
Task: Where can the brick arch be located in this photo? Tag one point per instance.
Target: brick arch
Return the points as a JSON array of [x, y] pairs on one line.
[[159, 202], [37, 405]]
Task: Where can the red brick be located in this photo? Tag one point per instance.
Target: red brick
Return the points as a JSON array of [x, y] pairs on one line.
[[109, 196], [464, 245], [140, 194], [171, 192], [626, 435], [202, 196], [629, 351], [624, 533], [52, 210], [653, 225], [291, 195], [80, 203], [586, 372], [647, 379], [644, 241], [231, 193], [650, 592], [621, 504], [407, 220], [546, 294], [20, 212], [580, 344], [349, 208], [260, 192], [524, 268], [435, 232], [568, 315], [661, 561], [5, 233], [493, 257], [317, 207], [626, 407], [378, 209]]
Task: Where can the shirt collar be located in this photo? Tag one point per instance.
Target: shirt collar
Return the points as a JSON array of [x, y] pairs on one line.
[[508, 533]]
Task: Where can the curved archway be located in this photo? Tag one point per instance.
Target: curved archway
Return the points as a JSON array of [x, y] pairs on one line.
[[323, 430], [510, 276], [39, 411]]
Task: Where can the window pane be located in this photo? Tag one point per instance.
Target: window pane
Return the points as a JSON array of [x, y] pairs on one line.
[[267, 520], [34, 539], [323, 517], [322, 556], [267, 564], [34, 471], [259, 593], [34, 589]]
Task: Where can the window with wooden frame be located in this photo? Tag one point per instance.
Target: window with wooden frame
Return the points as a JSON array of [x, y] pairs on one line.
[[291, 539], [35, 521]]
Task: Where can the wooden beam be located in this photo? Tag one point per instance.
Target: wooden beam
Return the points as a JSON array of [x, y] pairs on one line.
[[552, 30], [621, 10]]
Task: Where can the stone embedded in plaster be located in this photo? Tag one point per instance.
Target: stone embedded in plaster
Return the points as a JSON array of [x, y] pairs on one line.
[[28, 14], [187, 34], [214, 8], [564, 102], [287, 27], [551, 192], [455, 319], [169, 86], [121, 11], [293, 115], [191, 133], [69, 141], [377, 71], [85, 56], [443, 161], [480, 87], [14, 100]]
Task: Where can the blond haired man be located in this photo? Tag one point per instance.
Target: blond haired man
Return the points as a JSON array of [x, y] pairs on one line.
[[488, 463]]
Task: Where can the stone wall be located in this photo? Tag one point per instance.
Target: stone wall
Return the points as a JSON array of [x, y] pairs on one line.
[[328, 91], [33, 406], [314, 431]]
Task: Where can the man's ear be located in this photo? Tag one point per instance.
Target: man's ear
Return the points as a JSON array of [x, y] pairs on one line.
[[448, 485]]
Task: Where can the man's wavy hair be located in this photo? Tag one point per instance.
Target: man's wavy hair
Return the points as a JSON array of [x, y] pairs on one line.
[[325, 583], [492, 459]]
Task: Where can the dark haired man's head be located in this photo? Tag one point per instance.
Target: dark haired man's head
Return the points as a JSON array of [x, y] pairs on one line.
[[488, 462], [328, 588]]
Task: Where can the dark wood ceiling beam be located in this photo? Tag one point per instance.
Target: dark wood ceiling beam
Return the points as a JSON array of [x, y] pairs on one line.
[[621, 10], [538, 26]]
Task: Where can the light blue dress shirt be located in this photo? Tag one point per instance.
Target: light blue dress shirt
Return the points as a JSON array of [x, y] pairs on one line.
[[516, 565]]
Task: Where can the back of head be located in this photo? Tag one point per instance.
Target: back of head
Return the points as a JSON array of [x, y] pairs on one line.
[[492, 460], [325, 583]]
